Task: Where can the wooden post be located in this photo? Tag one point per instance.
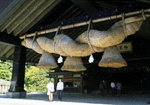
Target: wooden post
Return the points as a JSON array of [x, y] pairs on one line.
[[16, 89]]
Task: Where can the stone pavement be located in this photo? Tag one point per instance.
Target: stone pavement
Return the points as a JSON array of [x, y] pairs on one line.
[[78, 99]]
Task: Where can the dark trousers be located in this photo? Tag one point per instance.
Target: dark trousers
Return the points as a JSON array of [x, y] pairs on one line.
[[113, 91], [60, 94]]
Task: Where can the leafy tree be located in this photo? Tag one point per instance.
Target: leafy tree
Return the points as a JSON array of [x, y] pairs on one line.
[[35, 79], [5, 74], [5, 70]]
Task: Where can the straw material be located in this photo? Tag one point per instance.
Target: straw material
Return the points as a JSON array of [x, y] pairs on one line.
[[73, 49], [46, 44], [112, 58], [73, 64], [32, 45], [47, 61], [49, 45], [115, 35], [85, 45]]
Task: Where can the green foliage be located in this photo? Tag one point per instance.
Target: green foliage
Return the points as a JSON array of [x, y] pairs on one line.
[[36, 80], [5, 70], [5, 74]]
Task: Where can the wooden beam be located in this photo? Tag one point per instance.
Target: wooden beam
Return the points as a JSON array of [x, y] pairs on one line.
[[146, 1], [36, 16], [35, 57], [105, 5], [25, 16], [85, 6], [10, 52], [13, 6], [21, 10], [9, 39], [5, 50]]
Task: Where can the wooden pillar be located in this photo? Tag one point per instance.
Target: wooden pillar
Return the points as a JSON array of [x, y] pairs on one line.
[[16, 89]]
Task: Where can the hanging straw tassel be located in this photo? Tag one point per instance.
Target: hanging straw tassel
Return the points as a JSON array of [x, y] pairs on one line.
[[60, 59], [73, 64], [47, 61], [112, 58], [91, 59]]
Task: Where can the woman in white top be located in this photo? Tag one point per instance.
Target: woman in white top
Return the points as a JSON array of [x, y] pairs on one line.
[[59, 88], [50, 87]]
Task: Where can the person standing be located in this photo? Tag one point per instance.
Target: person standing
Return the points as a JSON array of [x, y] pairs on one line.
[[50, 88], [60, 88], [113, 88], [118, 87]]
